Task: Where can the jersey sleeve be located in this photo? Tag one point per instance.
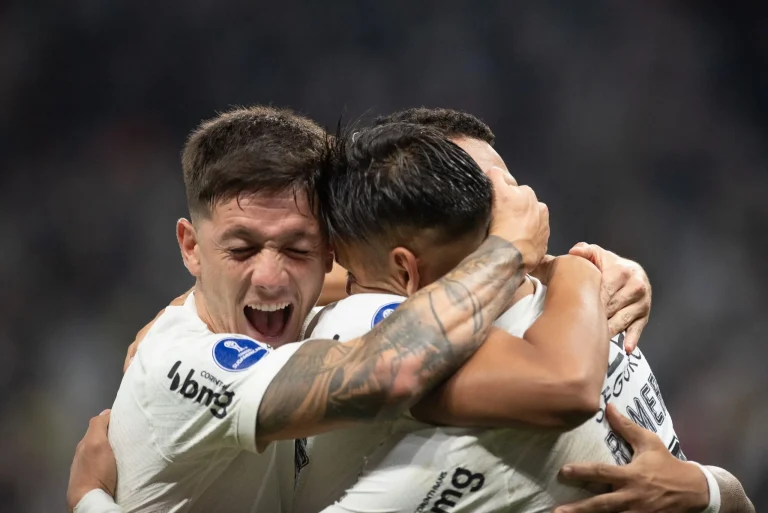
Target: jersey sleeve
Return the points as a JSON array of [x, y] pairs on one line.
[[354, 316], [97, 501], [200, 395]]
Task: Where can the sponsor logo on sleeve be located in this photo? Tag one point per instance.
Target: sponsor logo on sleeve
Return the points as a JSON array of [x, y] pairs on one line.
[[383, 312], [237, 354], [217, 399]]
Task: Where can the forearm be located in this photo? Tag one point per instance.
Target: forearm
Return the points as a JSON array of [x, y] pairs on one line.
[[570, 339], [733, 498], [328, 384], [551, 378]]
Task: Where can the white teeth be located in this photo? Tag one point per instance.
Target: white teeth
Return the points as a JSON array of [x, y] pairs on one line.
[[271, 307]]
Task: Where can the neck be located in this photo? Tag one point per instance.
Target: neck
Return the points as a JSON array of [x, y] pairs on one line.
[[202, 310]]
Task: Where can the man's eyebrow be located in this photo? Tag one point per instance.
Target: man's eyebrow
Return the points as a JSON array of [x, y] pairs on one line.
[[241, 232], [237, 232], [299, 234]]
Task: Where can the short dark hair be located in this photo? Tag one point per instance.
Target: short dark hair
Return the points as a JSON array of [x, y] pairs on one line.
[[393, 182], [451, 123], [249, 150]]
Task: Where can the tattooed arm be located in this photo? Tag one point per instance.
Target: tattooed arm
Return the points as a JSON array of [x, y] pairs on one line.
[[326, 384]]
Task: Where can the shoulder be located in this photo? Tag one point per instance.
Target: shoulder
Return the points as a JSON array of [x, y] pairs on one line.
[[180, 344], [354, 316]]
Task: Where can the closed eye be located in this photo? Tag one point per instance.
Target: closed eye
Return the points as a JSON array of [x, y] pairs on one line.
[[242, 253]]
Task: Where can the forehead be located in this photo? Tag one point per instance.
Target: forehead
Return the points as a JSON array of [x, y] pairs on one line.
[[266, 215], [481, 152]]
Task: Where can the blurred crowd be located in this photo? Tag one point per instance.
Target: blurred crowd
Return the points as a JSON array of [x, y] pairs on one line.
[[643, 125]]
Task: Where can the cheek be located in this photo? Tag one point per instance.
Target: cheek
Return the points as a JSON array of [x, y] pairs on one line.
[[308, 275]]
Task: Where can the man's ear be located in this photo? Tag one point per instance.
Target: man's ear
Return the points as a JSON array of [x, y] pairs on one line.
[[406, 267], [190, 251]]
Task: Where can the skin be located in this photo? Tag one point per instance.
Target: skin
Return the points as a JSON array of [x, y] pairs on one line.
[[327, 384], [626, 290], [655, 481], [623, 294], [261, 249]]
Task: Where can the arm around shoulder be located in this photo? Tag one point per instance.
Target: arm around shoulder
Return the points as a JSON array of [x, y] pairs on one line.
[[550, 378]]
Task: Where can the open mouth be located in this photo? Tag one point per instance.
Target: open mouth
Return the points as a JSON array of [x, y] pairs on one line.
[[269, 319]]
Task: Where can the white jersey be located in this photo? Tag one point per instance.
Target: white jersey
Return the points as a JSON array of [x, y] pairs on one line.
[[183, 425], [408, 466]]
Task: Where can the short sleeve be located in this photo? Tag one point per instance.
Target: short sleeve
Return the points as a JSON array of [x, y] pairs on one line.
[[199, 395], [97, 501], [354, 316], [253, 387]]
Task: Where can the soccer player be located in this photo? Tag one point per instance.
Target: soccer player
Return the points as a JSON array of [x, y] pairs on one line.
[[199, 409], [398, 252], [630, 483], [180, 387]]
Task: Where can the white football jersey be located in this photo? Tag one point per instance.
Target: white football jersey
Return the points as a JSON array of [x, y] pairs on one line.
[[408, 466], [183, 425]]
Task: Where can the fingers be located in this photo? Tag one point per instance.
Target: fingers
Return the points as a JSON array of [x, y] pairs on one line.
[[498, 176], [591, 252], [624, 289], [96, 435], [519, 218], [639, 438], [497, 173], [626, 317], [595, 472], [99, 423], [632, 334], [618, 501]]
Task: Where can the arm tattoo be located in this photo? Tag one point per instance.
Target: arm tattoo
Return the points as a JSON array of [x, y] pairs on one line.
[[326, 383]]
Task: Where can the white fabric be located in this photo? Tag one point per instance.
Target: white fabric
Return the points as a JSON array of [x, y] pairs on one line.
[[97, 501], [408, 466], [183, 425], [714, 490]]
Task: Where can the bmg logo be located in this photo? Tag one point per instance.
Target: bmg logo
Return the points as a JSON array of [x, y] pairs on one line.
[[463, 481], [191, 389]]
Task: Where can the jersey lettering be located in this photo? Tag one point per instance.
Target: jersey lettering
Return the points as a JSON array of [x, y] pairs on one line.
[[630, 374]]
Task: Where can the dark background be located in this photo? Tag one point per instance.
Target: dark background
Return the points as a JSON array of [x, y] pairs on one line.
[[642, 124]]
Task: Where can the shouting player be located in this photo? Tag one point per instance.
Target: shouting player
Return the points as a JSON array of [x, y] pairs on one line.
[[77, 486], [197, 413]]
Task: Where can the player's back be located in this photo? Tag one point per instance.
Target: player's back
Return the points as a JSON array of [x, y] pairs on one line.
[[412, 466], [183, 423]]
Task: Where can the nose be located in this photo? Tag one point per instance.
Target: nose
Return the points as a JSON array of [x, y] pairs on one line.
[[268, 273]]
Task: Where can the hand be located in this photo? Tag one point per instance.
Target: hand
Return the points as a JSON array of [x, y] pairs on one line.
[[626, 292], [179, 301], [94, 465], [654, 482], [519, 217]]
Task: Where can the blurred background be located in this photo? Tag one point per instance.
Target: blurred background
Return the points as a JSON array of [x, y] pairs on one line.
[[642, 125]]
